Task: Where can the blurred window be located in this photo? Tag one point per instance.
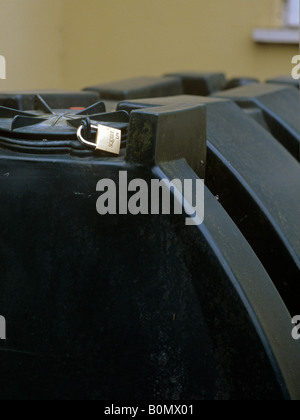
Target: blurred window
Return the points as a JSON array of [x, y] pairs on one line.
[[291, 13]]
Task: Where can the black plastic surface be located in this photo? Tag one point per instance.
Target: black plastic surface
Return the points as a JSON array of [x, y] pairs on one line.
[[142, 87], [239, 81], [123, 307], [25, 101], [245, 167], [46, 130], [284, 80], [281, 108], [101, 315], [200, 83]]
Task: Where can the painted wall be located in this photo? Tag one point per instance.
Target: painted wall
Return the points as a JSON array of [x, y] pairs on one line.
[[124, 38], [31, 33], [74, 43]]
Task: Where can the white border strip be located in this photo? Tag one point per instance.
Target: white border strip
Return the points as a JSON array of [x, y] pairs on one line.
[[276, 36]]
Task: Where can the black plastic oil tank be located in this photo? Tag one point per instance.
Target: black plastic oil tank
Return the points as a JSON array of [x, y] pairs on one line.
[[284, 80], [245, 171], [200, 83], [141, 87], [240, 81], [130, 307], [281, 109], [26, 101]]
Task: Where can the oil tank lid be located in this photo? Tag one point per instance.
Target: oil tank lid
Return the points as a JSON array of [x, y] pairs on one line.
[[47, 130]]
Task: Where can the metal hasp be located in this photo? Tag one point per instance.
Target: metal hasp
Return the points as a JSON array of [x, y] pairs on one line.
[[108, 139], [135, 307], [281, 110]]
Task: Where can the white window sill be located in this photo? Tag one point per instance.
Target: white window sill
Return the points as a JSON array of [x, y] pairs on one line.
[[276, 36]]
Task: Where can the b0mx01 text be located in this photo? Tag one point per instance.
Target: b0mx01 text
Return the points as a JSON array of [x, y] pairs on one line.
[[150, 410]]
